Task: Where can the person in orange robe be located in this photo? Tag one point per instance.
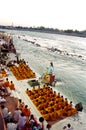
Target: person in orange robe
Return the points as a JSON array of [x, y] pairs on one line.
[[26, 111], [11, 85], [6, 83]]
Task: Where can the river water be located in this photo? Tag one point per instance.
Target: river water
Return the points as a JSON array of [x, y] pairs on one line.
[[68, 54]]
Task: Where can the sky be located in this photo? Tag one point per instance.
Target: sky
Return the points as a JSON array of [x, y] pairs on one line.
[[60, 14]]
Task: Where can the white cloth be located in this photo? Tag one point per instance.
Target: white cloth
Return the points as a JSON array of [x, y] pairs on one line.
[[11, 126]]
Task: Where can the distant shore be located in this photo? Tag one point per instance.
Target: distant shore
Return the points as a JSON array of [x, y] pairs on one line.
[[68, 32]]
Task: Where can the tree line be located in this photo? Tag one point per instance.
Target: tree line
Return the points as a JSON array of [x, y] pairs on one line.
[[47, 30]]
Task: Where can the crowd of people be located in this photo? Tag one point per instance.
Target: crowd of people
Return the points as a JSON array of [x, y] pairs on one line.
[[22, 118]]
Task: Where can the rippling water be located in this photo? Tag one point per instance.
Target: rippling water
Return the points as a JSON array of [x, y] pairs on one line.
[[68, 55]]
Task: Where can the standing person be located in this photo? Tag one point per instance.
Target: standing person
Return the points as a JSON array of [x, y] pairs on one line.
[[16, 114], [26, 110], [11, 86], [7, 83], [51, 68], [21, 122], [48, 76], [51, 74]]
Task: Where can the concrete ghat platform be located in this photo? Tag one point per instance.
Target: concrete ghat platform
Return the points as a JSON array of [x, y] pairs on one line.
[[22, 85]]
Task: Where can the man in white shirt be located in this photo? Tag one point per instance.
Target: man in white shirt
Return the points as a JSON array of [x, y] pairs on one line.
[[11, 125]]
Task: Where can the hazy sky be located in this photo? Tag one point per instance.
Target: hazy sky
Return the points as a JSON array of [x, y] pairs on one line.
[[61, 14]]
